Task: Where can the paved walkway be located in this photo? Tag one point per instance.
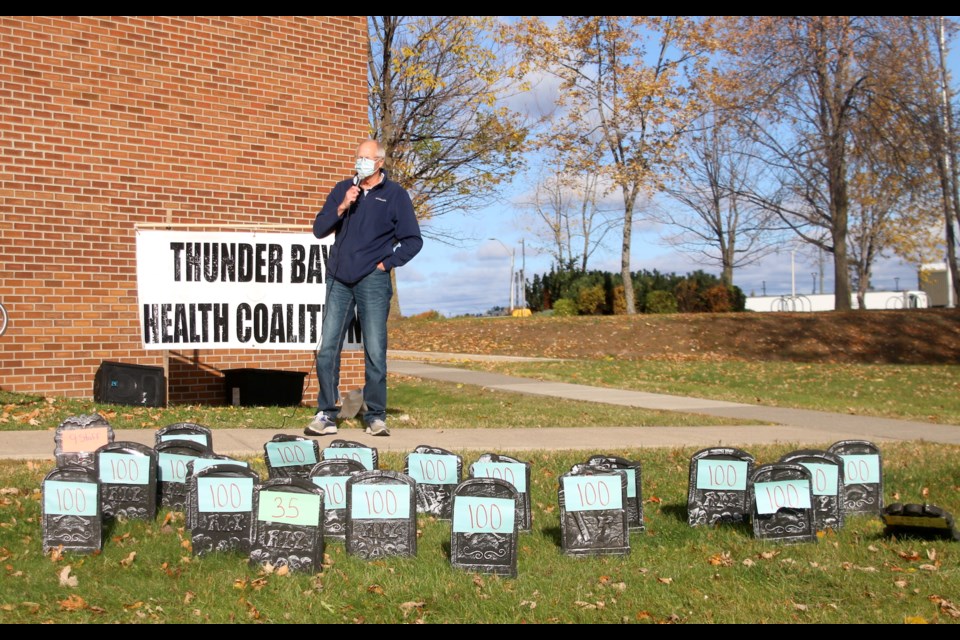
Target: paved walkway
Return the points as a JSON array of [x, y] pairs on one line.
[[784, 426]]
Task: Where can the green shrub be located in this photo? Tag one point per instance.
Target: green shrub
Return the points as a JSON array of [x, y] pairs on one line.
[[564, 307], [661, 302], [590, 300]]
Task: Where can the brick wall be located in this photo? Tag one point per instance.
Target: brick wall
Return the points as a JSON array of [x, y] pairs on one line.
[[109, 122]]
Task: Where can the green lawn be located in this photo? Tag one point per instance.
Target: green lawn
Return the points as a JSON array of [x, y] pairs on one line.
[[673, 573]]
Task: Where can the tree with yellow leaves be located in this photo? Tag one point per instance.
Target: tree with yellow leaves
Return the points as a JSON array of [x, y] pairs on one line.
[[630, 81]]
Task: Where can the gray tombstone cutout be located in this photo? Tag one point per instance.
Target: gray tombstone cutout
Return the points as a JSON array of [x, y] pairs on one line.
[[173, 458], [634, 485], [195, 466], [826, 485], [381, 515], [185, 431], [221, 508], [862, 476], [291, 456], [719, 486], [349, 450], [78, 438], [331, 476], [517, 473], [288, 527], [437, 473], [71, 510], [593, 514], [483, 535], [128, 480], [782, 509]]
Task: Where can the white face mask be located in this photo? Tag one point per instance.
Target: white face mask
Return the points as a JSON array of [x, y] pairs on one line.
[[365, 167]]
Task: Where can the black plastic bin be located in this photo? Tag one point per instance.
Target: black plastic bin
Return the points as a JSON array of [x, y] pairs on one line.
[[263, 387]]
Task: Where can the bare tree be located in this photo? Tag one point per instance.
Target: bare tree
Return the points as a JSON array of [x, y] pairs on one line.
[[716, 222]]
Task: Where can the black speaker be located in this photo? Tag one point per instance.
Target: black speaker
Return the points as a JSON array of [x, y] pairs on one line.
[[135, 384]]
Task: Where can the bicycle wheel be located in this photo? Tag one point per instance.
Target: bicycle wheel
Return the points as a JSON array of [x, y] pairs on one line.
[[3, 319]]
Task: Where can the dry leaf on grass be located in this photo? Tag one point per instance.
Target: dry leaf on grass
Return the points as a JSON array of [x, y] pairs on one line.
[[66, 580], [126, 562], [407, 607], [73, 603]]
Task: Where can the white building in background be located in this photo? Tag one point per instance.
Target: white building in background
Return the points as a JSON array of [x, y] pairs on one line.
[[824, 301]]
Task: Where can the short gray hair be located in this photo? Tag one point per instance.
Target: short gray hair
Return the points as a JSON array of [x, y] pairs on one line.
[[381, 151]]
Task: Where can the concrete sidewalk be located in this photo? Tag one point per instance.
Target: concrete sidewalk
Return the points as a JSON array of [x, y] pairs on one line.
[[785, 426]]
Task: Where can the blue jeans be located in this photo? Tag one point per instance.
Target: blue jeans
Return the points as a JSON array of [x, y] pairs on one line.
[[371, 298]]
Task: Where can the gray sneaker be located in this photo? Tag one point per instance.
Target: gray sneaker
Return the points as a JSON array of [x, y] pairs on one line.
[[321, 425], [377, 427]]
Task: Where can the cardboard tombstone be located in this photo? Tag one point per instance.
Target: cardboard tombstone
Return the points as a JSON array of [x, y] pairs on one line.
[[514, 471], [719, 486], [127, 472], [484, 532], [381, 515], [195, 466], [78, 437], [826, 485], [862, 476], [288, 524], [173, 456], [437, 473], [71, 518], [220, 508], [332, 476], [347, 449], [781, 504], [634, 485], [185, 431], [593, 513], [289, 456]]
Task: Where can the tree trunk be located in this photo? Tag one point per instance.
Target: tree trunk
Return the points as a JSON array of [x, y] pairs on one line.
[[628, 297]]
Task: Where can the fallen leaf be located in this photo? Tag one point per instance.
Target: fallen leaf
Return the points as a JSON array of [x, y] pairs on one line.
[[97, 609], [56, 554], [748, 562], [73, 603], [872, 548], [931, 555], [721, 559], [800, 607], [66, 580], [240, 583], [585, 605], [188, 597], [126, 562], [375, 588], [914, 620], [528, 603], [767, 555], [925, 492], [284, 570], [478, 581], [900, 583], [258, 584], [909, 556], [946, 606], [32, 607], [655, 500], [665, 580], [407, 607], [643, 615], [928, 567]]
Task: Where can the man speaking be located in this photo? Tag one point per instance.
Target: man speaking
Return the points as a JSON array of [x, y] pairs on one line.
[[376, 230]]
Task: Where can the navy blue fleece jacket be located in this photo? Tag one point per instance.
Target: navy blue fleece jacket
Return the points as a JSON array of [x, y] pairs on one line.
[[379, 227]]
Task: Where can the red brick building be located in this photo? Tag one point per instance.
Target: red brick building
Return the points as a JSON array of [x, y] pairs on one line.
[[110, 122]]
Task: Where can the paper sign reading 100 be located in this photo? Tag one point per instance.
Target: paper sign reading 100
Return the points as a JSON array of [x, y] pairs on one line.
[[224, 495], [291, 454], [172, 467], [513, 472], [334, 490], [289, 508], [362, 455], [476, 514], [124, 468], [432, 468], [790, 494], [380, 501], [592, 493], [721, 475], [69, 498], [863, 469], [824, 478]]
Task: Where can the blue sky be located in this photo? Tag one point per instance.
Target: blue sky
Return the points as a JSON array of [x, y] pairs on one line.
[[475, 276]]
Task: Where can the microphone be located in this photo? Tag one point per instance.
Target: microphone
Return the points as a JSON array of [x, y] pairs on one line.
[[356, 179]]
